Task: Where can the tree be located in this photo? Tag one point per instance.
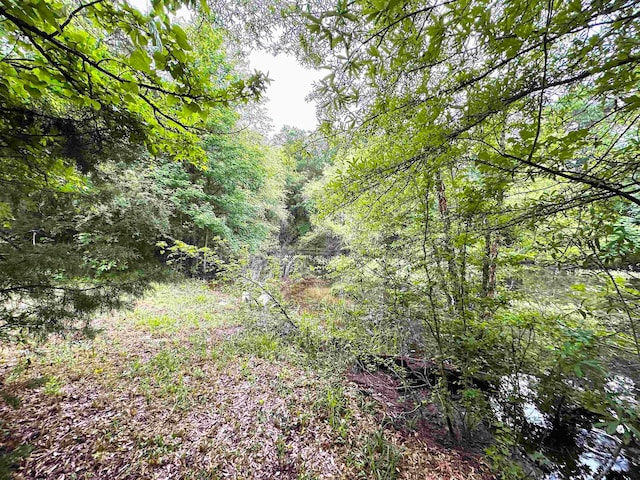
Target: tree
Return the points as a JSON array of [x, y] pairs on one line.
[[439, 77], [110, 62], [90, 92], [307, 154], [476, 136]]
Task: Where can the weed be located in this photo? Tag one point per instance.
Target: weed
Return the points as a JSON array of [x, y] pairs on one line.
[[157, 323], [201, 298], [10, 459], [62, 354], [199, 374], [53, 387], [334, 405], [165, 363], [178, 359], [259, 344], [411, 422], [157, 447], [10, 399], [383, 457], [203, 475], [169, 308], [246, 371], [163, 376], [281, 450], [500, 455], [18, 370], [377, 459], [304, 418], [303, 475]]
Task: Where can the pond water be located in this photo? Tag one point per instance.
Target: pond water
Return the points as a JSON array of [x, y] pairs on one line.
[[578, 451], [595, 451]]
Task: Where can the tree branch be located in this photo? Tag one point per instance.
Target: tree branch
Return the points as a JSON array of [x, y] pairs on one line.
[[72, 15]]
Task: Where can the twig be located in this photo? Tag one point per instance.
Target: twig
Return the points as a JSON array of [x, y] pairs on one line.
[[275, 300]]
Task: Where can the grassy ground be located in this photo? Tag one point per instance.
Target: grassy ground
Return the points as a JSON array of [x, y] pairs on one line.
[[181, 387]]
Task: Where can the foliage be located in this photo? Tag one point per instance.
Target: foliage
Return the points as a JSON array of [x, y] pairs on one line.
[[307, 155], [66, 253], [478, 149], [103, 107], [214, 376], [235, 198], [478, 138], [72, 70]]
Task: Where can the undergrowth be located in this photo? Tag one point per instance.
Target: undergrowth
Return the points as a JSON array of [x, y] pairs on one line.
[[187, 351]]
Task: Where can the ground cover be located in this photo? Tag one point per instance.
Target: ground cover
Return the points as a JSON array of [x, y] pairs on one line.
[[184, 386]]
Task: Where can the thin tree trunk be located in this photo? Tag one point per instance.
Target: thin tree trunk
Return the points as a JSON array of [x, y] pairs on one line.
[[449, 250], [493, 257], [489, 264], [486, 261], [206, 238], [435, 328]]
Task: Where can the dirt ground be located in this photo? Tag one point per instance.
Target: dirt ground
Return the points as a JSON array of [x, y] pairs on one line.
[[179, 388]]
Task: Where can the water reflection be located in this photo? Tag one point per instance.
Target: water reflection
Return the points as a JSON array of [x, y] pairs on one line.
[[575, 452]]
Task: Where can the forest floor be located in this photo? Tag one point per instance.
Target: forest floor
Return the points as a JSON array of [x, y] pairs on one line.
[[179, 387]]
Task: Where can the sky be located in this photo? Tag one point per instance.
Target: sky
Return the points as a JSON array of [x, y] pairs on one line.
[[285, 96], [286, 104]]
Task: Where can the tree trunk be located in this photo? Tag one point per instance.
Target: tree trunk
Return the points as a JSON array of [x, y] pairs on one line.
[[489, 264], [449, 250]]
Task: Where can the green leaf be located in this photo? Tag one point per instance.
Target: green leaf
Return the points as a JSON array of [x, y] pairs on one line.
[[181, 37], [578, 371], [140, 60]]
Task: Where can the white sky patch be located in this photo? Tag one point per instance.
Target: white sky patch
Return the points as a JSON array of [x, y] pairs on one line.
[[286, 104], [285, 96], [183, 13]]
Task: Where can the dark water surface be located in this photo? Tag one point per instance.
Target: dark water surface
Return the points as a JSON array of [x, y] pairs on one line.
[[576, 451]]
